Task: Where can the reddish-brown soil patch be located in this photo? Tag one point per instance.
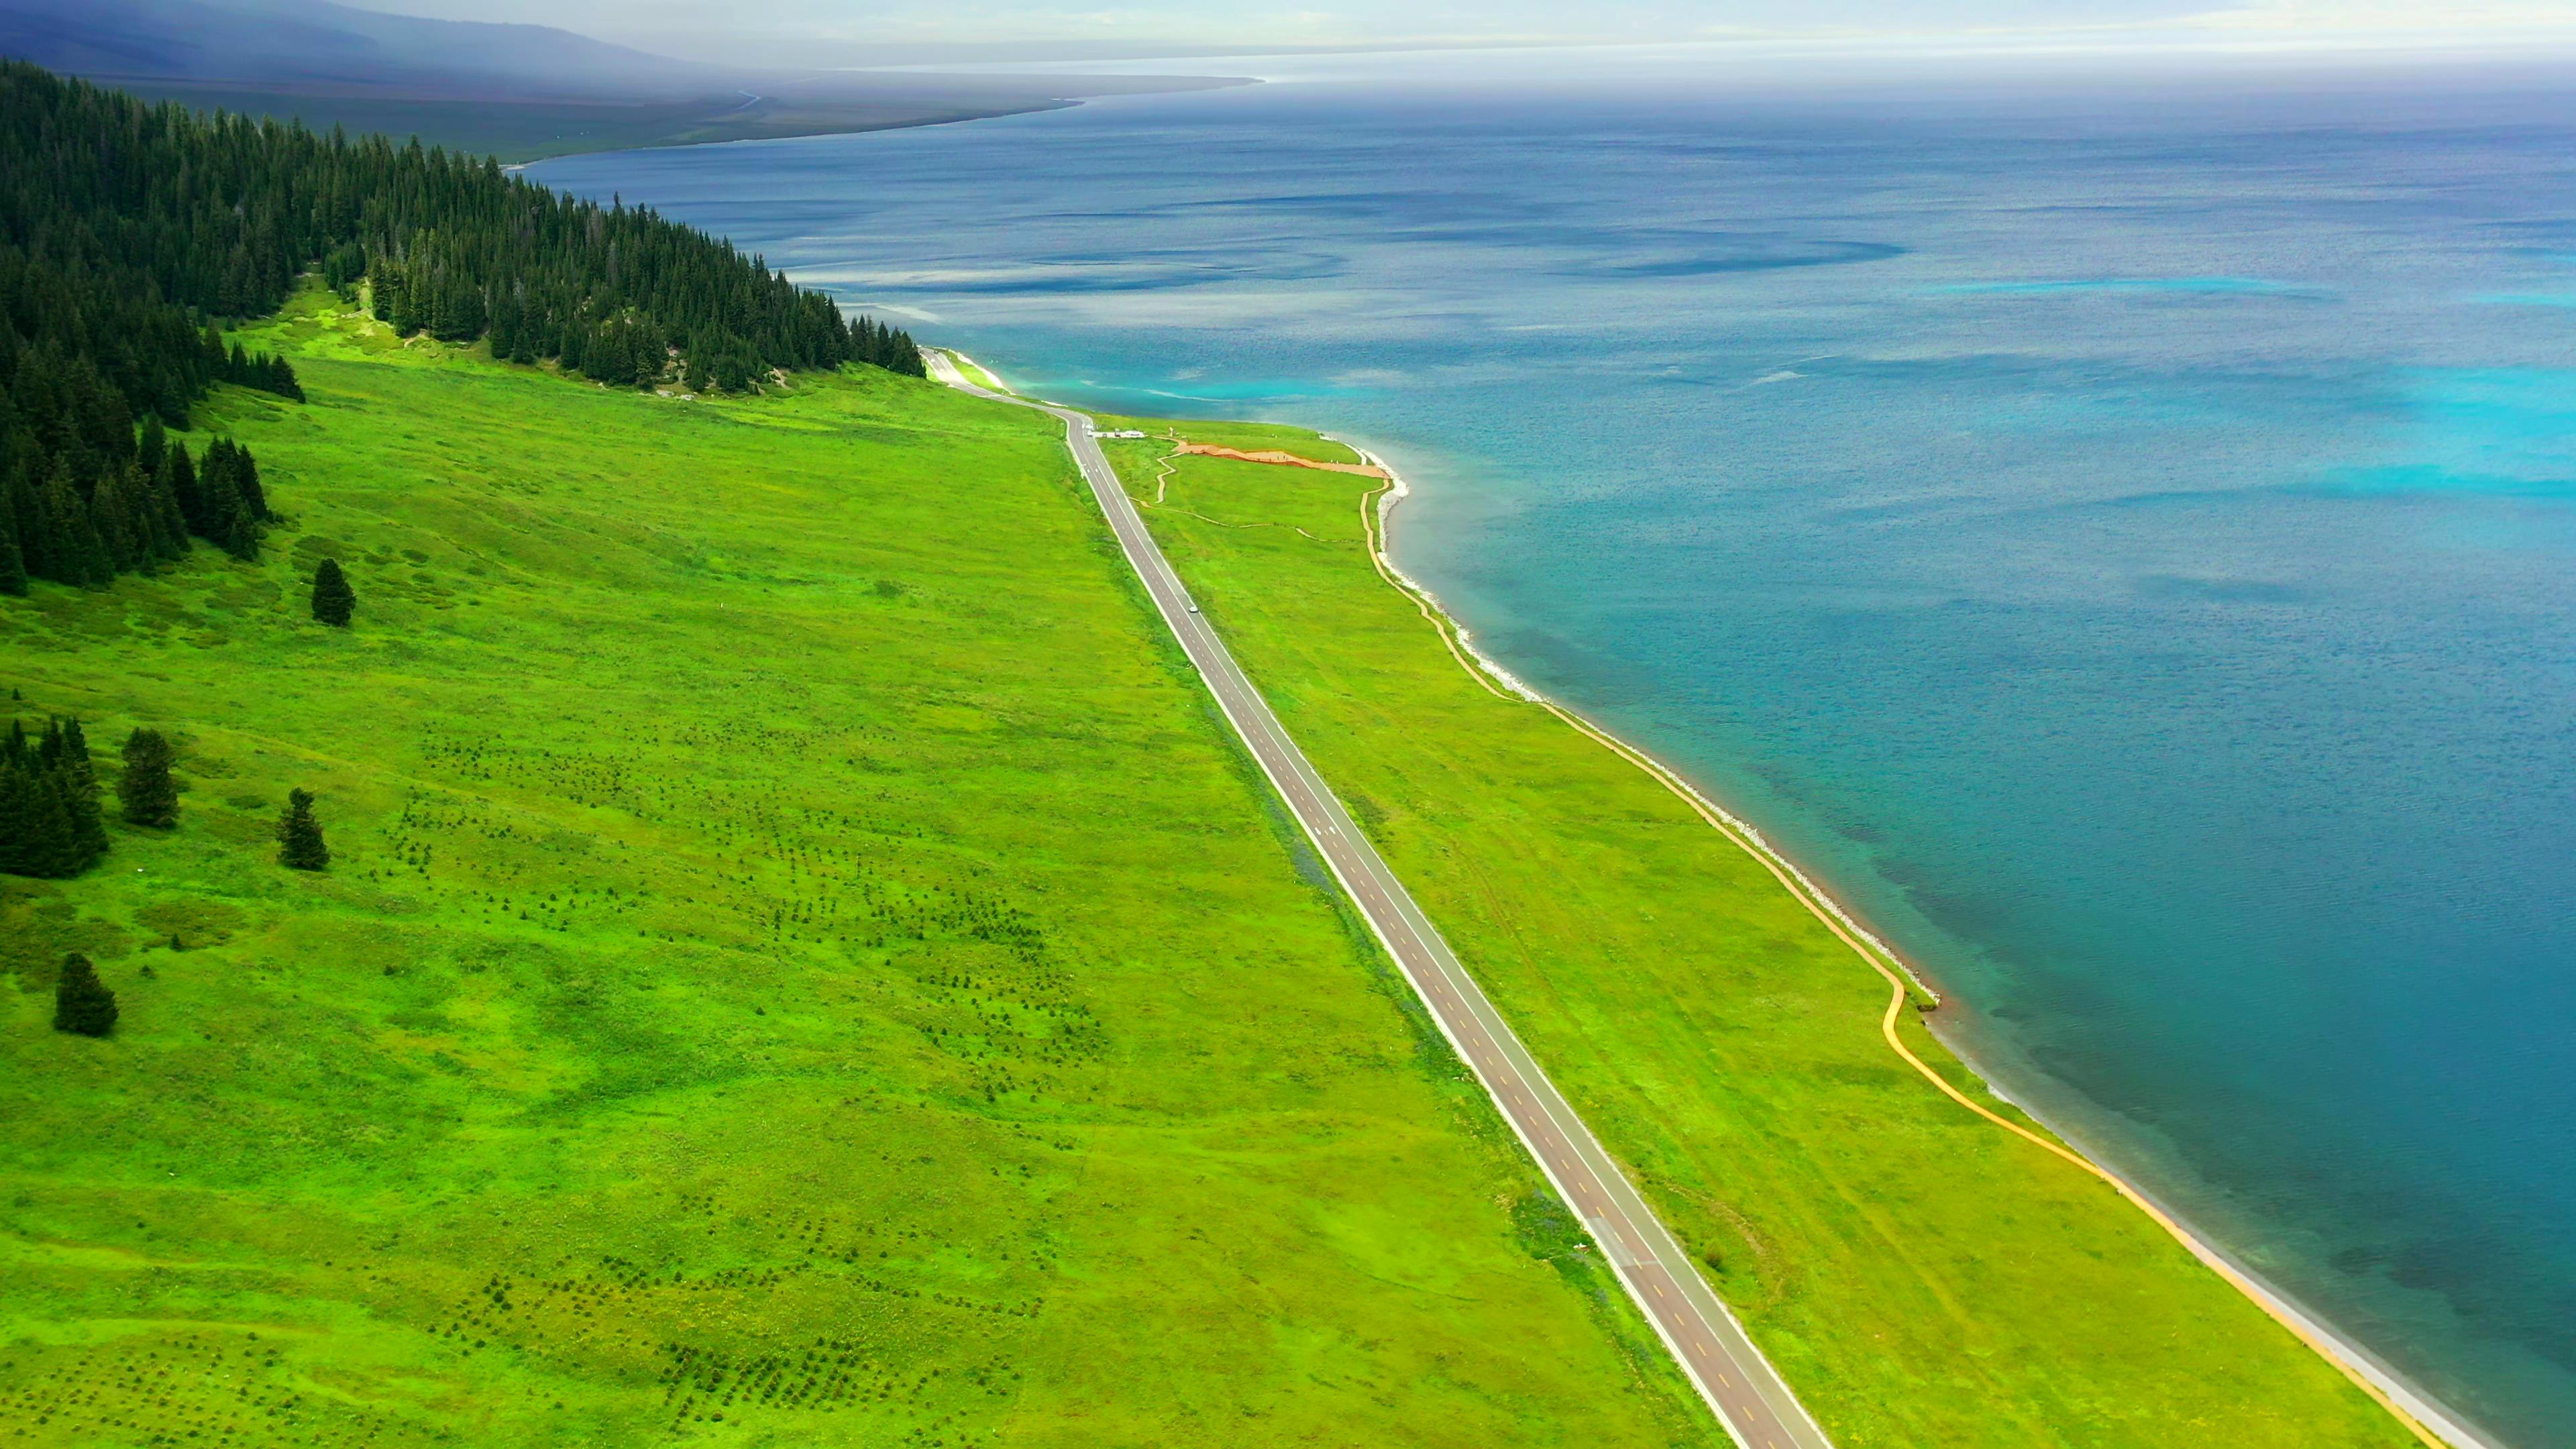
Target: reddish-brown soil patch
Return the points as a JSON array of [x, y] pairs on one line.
[[1273, 455]]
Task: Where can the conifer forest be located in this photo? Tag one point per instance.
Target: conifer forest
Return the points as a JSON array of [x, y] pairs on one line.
[[129, 231]]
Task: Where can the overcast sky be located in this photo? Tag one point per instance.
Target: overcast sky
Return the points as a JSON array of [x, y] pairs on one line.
[[816, 32]]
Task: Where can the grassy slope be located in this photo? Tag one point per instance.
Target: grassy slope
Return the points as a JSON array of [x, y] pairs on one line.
[[796, 934], [1921, 1277]]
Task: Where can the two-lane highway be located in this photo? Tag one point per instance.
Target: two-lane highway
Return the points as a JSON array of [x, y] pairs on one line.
[[1731, 1374]]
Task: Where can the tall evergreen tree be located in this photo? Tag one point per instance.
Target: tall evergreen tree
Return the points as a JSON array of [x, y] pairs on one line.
[[74, 553], [32, 834], [246, 482], [13, 563], [26, 508], [148, 794], [333, 599], [161, 504], [49, 809], [111, 512], [232, 517], [299, 835], [184, 490], [82, 1003], [79, 783]]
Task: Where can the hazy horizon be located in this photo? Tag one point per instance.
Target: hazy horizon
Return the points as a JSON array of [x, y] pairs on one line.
[[833, 33]]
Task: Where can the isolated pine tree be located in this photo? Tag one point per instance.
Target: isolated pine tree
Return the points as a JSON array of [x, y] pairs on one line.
[[333, 599], [147, 792], [299, 835], [82, 1003]]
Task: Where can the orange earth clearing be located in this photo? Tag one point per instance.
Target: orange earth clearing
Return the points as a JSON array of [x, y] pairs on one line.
[[1273, 455]]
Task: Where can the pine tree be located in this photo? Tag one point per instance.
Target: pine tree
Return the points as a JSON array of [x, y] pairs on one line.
[[53, 841], [241, 531], [299, 835], [190, 494], [246, 479], [48, 804], [26, 507], [232, 521], [20, 808], [80, 795], [73, 551], [161, 506], [13, 563], [147, 792], [82, 1003], [111, 512], [155, 443], [333, 599]]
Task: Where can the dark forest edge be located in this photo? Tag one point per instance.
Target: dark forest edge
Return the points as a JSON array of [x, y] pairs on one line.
[[128, 230]]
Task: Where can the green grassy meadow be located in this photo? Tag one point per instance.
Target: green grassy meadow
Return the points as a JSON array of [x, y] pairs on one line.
[[802, 963], [1921, 1277]]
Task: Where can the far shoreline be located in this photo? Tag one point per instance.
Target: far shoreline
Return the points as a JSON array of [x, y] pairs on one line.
[[521, 133]]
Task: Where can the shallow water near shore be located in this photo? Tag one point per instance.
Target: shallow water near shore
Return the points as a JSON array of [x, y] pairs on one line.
[[2120, 537]]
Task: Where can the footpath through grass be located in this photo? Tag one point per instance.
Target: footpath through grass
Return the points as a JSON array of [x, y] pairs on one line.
[[801, 964], [1922, 1277]]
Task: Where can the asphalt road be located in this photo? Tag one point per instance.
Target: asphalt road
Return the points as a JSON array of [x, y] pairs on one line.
[[1748, 1396]]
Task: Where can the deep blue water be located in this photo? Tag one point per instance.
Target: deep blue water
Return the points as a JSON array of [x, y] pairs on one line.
[[2121, 536]]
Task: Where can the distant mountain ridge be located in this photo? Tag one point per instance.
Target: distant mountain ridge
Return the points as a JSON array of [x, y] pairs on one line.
[[520, 92], [313, 43]]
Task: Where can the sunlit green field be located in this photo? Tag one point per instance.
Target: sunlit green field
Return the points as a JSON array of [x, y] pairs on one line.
[[1921, 1277], [801, 964]]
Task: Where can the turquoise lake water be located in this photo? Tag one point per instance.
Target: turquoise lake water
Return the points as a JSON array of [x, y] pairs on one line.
[[2120, 535]]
